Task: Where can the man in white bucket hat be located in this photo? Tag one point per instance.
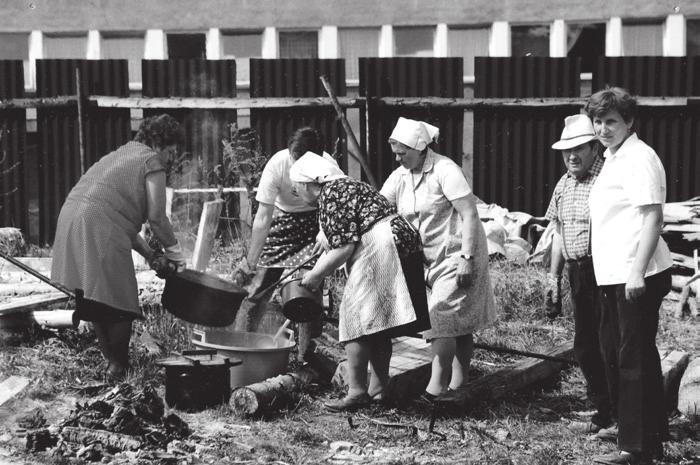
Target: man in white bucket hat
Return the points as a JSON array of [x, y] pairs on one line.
[[568, 209]]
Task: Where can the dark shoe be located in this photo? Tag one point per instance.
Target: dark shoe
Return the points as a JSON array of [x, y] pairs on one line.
[[348, 404], [623, 458], [584, 427], [427, 399], [607, 434], [379, 398]]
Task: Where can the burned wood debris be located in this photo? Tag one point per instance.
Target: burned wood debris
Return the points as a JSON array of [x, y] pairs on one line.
[[123, 420]]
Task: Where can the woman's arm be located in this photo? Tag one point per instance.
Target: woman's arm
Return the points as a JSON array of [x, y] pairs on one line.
[[325, 265], [140, 245], [466, 207], [155, 201], [261, 228], [652, 223]]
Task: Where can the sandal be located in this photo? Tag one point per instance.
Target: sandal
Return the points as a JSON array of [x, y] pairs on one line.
[[348, 404]]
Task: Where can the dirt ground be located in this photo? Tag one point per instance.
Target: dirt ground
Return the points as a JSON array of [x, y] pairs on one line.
[[527, 428]]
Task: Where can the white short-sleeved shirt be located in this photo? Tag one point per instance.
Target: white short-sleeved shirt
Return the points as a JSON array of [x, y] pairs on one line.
[[275, 187], [426, 201], [631, 177]]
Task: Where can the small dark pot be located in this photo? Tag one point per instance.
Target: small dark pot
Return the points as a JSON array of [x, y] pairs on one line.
[[197, 380], [201, 298], [299, 304]]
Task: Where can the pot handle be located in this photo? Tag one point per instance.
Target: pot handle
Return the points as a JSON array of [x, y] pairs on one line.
[[290, 334], [198, 332]]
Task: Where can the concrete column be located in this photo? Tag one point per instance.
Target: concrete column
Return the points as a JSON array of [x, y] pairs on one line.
[[36, 52], [440, 44], [386, 41], [557, 39], [155, 45], [499, 42], [270, 43], [213, 44], [613, 37], [94, 45], [674, 40], [328, 42]]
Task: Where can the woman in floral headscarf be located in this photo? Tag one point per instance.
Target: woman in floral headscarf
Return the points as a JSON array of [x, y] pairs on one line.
[[384, 294], [432, 193]]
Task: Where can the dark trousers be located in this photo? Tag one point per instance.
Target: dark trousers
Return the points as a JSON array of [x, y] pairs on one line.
[[628, 336], [585, 301]]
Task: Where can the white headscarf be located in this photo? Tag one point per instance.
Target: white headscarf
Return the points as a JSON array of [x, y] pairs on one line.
[[313, 168], [414, 134]]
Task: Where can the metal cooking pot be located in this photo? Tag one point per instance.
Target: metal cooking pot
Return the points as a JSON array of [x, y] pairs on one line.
[[300, 304], [197, 379], [201, 298]]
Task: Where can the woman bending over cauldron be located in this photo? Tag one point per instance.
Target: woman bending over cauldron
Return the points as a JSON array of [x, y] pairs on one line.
[[384, 294], [98, 227]]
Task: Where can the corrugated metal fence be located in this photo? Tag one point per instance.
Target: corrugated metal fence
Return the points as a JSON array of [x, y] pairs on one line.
[[57, 128], [13, 126], [294, 78], [409, 77], [514, 165]]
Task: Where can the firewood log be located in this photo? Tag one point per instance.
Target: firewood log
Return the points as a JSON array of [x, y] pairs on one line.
[[110, 440], [272, 393]]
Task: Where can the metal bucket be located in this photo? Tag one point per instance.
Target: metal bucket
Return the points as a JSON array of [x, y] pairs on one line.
[[300, 304]]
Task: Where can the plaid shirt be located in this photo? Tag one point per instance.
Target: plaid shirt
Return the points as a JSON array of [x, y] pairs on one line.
[[569, 210]]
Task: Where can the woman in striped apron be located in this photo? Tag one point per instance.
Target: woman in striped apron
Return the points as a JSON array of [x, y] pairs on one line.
[[384, 295]]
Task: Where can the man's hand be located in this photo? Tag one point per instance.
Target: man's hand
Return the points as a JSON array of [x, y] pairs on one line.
[[552, 295], [465, 271]]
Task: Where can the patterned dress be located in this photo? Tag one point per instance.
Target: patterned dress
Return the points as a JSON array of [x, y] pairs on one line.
[[97, 223], [426, 201], [380, 292]]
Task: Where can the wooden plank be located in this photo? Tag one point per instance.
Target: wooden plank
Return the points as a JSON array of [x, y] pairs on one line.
[[503, 382], [227, 103], [206, 233], [31, 302], [475, 103], [11, 387], [44, 102]]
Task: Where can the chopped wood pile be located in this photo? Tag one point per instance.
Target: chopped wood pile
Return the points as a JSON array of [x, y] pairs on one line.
[[121, 421]]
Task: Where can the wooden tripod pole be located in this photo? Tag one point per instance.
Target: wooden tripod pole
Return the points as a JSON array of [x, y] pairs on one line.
[[353, 147]]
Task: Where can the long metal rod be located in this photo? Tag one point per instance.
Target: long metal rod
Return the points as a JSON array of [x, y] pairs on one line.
[[506, 350], [38, 275], [291, 272]]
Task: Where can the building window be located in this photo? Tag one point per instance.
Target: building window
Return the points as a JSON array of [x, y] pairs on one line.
[[15, 46], [530, 41], [125, 45], [354, 43], [586, 41], [70, 45], [468, 43], [641, 38], [187, 46], [241, 45], [298, 44], [693, 37], [414, 41]]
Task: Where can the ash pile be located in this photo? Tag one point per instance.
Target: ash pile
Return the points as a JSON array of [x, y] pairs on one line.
[[122, 426]]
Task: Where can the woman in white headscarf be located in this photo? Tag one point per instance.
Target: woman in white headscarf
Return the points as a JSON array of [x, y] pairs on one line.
[[431, 192], [384, 294]]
